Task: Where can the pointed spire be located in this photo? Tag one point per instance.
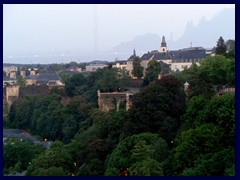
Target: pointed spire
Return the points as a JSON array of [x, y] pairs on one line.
[[134, 52], [163, 39], [163, 44]]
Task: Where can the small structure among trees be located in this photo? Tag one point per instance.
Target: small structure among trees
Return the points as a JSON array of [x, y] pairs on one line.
[[114, 101]]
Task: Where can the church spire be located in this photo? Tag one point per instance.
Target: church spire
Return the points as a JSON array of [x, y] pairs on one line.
[[163, 47], [134, 52], [163, 44]]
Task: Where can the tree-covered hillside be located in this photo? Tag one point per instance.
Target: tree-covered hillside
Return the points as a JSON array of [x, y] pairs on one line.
[[167, 132]]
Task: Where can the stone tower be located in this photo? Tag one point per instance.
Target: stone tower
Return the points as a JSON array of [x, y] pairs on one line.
[[163, 47]]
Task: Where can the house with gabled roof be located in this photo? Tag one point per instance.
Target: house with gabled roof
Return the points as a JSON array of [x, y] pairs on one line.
[[43, 78]]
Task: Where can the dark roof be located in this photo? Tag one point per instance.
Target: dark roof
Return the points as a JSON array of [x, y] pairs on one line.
[[48, 76], [31, 77], [182, 54], [6, 78], [132, 57], [192, 49], [23, 69], [189, 53], [157, 56], [121, 61], [146, 56], [45, 76]]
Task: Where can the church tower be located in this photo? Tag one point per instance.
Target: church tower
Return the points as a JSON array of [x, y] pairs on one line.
[[163, 47]]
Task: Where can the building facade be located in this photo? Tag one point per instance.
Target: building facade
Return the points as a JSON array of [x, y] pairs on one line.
[[94, 67], [176, 60]]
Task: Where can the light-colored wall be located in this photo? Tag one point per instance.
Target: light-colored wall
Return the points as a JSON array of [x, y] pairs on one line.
[[94, 67], [181, 66], [23, 74], [11, 82], [167, 61], [13, 74], [129, 67], [121, 66], [30, 82], [32, 73], [163, 49], [76, 69], [12, 91], [9, 69], [144, 64]]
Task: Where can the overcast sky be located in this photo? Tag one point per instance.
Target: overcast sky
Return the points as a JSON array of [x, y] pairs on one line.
[[58, 29]]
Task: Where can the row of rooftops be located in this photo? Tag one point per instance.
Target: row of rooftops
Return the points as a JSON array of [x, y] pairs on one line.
[[181, 55], [176, 55], [45, 76]]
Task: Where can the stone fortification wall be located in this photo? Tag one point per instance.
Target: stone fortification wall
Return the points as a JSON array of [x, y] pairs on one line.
[[12, 94], [112, 101], [40, 90], [12, 91]]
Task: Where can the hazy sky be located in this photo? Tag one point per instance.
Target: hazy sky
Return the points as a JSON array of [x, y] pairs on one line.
[[60, 29]]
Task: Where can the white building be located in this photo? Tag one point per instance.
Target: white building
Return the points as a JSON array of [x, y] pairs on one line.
[[94, 67]]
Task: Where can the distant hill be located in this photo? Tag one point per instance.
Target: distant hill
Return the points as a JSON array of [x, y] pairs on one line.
[[205, 34], [143, 43], [98, 62], [22, 65]]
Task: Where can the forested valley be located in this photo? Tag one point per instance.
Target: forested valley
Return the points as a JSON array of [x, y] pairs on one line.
[[166, 132]]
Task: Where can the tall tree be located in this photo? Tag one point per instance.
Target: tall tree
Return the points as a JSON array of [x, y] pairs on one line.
[[221, 47], [76, 85], [152, 72], [55, 156], [137, 68], [157, 109], [135, 155], [20, 81], [113, 80]]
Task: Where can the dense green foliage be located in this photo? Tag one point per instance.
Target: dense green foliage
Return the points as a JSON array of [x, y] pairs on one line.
[[18, 154], [20, 81], [56, 156], [157, 109], [166, 132], [221, 46], [204, 79], [48, 117], [153, 70], [138, 154], [137, 68]]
